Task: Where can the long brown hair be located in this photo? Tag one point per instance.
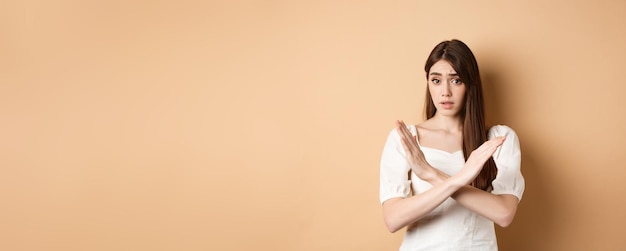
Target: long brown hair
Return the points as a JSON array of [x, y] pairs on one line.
[[473, 115]]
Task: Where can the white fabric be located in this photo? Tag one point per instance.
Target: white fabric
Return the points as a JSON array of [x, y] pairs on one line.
[[450, 226]]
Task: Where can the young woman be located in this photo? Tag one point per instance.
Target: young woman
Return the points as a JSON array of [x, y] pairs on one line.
[[448, 179]]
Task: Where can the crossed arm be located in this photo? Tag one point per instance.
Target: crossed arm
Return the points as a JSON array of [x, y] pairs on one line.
[[400, 212]]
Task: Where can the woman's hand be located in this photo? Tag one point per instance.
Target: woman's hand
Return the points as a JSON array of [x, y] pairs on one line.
[[414, 154], [477, 160]]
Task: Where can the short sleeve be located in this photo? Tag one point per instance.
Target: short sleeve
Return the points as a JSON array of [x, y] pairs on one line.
[[507, 157], [394, 169]]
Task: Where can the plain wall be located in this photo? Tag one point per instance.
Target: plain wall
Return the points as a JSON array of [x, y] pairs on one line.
[[258, 125]]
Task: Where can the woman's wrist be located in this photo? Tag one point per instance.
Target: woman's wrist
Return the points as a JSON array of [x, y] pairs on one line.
[[432, 175], [436, 177]]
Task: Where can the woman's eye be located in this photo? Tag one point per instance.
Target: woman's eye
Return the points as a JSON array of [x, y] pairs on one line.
[[456, 81], [435, 81]]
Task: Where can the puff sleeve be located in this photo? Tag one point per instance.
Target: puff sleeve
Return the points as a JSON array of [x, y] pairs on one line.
[[507, 157], [394, 169]]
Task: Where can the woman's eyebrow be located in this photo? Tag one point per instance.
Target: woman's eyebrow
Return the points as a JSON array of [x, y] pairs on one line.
[[439, 74]]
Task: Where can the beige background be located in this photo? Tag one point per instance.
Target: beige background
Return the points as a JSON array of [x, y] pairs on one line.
[[258, 125]]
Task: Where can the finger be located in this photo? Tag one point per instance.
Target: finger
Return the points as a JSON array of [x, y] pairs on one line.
[[408, 146], [407, 150], [408, 141], [488, 148], [409, 135], [405, 134], [495, 142], [499, 139], [400, 128]]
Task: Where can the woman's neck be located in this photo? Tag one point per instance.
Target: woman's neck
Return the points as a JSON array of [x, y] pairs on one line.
[[447, 123]]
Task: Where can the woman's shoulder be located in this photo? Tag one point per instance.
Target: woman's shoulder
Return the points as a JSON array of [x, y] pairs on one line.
[[426, 126], [501, 130]]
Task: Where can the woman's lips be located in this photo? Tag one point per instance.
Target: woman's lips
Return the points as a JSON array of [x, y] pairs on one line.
[[447, 105]]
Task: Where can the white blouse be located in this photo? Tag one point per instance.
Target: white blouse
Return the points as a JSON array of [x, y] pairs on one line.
[[450, 226]]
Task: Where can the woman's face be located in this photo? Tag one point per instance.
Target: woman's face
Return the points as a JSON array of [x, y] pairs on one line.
[[446, 89]]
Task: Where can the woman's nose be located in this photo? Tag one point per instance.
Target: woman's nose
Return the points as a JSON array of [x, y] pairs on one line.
[[445, 90]]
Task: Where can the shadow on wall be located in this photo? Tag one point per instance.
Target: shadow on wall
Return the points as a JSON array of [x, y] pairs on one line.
[[533, 225]]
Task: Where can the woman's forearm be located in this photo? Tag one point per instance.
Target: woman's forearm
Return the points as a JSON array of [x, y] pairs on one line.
[[400, 212], [500, 209]]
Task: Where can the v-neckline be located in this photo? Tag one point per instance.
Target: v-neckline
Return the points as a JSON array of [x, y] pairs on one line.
[[439, 150], [431, 148]]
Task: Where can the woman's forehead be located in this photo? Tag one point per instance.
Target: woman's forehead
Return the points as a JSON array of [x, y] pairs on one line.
[[442, 67]]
